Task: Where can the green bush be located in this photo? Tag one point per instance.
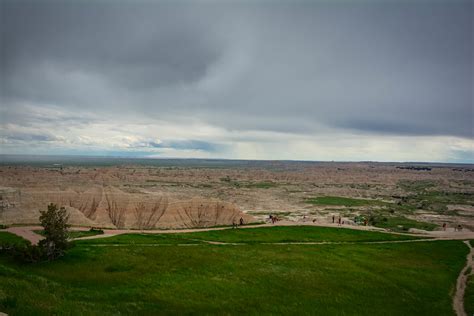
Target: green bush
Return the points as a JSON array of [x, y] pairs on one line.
[[28, 253], [55, 225], [9, 302], [97, 231], [6, 248], [53, 246]]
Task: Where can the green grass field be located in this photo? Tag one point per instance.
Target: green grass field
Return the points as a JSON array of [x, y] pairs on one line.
[[160, 274], [284, 234], [343, 201], [469, 296], [277, 234], [7, 238]]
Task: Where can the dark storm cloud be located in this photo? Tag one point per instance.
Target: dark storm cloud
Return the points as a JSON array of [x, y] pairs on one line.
[[395, 67], [135, 46]]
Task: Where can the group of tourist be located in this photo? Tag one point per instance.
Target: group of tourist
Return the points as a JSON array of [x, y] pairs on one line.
[[457, 228], [241, 222]]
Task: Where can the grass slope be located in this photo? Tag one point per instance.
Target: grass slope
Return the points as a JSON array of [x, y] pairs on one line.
[[7, 238], [357, 279], [469, 296], [257, 235], [401, 224]]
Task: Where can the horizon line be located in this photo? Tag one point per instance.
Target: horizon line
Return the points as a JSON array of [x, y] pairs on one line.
[[224, 159]]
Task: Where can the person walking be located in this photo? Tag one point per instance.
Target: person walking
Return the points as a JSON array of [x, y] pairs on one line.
[[333, 219], [241, 221]]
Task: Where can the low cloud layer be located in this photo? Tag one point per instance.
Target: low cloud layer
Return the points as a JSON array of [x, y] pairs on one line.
[[318, 80]]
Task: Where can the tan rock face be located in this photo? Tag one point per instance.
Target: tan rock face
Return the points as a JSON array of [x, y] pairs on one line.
[[111, 207], [200, 212]]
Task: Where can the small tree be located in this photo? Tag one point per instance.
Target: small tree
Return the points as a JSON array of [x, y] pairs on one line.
[[54, 222]]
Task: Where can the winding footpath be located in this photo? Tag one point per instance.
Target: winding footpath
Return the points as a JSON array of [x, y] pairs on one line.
[[27, 232], [458, 300]]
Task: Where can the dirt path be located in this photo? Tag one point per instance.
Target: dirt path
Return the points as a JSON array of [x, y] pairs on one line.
[[28, 233], [458, 299], [204, 242], [437, 234]]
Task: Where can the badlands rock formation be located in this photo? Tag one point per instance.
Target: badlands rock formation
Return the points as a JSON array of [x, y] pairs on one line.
[[159, 193], [111, 207]]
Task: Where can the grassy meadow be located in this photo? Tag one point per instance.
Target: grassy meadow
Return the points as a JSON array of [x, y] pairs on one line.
[[343, 201], [469, 295], [401, 224], [7, 238], [182, 274], [276, 234]]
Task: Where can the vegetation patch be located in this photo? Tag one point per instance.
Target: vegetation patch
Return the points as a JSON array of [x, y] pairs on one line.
[[399, 224], [261, 185], [7, 238], [343, 201], [118, 267], [269, 212], [435, 201], [78, 233], [292, 234], [469, 295], [249, 185], [138, 239], [416, 185], [277, 234]]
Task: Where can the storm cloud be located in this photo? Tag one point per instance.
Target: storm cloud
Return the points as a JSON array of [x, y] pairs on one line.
[[231, 79]]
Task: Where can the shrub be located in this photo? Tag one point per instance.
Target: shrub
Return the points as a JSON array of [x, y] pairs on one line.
[[55, 225], [8, 302], [6, 248], [98, 231], [28, 253], [53, 246]]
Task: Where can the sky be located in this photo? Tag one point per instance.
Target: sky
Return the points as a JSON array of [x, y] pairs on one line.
[[317, 80]]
